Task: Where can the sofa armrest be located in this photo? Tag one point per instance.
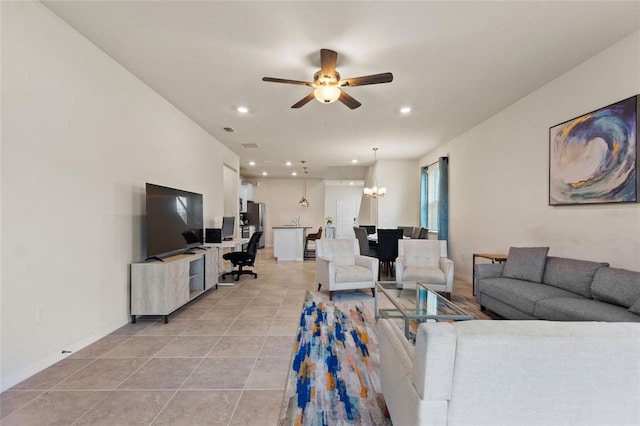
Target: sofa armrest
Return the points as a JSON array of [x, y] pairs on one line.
[[435, 357], [325, 270], [400, 262], [446, 265], [402, 349], [369, 263], [488, 270]]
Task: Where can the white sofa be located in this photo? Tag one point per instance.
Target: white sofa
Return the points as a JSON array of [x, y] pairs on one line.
[[496, 373]]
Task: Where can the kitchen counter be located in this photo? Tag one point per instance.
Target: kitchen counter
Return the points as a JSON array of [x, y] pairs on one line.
[[288, 242]]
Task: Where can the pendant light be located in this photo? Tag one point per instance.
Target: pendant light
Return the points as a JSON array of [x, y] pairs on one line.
[[375, 191], [303, 201]]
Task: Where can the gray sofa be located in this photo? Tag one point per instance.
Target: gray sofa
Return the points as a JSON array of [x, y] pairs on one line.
[[532, 285]]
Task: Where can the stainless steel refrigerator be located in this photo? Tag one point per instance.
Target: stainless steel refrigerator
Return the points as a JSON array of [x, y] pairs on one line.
[[255, 217]]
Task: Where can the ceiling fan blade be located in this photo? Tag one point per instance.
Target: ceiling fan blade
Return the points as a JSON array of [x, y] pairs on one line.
[[386, 77], [348, 100], [328, 59], [283, 80], [303, 101]]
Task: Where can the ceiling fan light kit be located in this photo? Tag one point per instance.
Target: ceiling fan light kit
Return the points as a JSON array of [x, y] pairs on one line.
[[326, 94], [327, 83]]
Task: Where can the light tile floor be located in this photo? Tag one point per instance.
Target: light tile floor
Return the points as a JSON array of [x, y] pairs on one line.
[[221, 360]]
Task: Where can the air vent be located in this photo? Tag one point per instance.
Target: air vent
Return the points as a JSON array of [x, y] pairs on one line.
[[249, 145], [228, 129]]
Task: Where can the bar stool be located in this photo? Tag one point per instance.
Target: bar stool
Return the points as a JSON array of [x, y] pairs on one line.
[[311, 254]]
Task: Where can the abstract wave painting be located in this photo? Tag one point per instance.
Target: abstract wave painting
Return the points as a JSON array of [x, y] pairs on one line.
[[593, 158]]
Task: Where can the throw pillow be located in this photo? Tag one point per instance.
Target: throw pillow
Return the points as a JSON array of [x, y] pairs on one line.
[[618, 286], [571, 274], [526, 263]]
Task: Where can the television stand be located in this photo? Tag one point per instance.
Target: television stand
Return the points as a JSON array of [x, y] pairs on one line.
[[161, 286]]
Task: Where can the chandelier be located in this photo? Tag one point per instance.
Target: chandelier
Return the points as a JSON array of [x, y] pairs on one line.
[[303, 201], [375, 191]]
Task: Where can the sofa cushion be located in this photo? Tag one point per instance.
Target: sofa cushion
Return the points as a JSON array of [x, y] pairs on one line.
[[617, 286], [341, 252], [571, 274], [526, 263], [352, 274], [424, 274], [571, 309], [522, 295], [425, 253], [635, 308]]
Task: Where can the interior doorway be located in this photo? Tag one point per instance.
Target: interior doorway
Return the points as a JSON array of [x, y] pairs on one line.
[[346, 216]]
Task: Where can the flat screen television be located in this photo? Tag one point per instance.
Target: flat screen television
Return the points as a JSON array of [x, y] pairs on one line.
[[228, 227], [174, 220]]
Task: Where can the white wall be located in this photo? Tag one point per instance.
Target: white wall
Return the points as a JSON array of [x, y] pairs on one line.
[[499, 173], [401, 205], [281, 198], [80, 137]]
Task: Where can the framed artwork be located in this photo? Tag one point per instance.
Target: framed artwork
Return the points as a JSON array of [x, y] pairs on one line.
[[594, 158]]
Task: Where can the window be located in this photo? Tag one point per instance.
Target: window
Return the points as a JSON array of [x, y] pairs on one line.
[[430, 197]]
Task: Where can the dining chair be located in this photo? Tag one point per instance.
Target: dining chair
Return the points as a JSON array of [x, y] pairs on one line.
[[371, 229], [388, 249], [406, 230]]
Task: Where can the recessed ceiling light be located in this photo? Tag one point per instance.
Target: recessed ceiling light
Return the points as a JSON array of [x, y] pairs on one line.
[[354, 161], [405, 110], [294, 174], [264, 173], [243, 109], [288, 163], [350, 183], [252, 163]]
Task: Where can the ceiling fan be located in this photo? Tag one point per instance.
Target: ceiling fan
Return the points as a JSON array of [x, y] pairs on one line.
[[327, 83]]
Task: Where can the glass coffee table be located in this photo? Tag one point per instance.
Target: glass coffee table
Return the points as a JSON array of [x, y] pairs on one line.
[[414, 303]]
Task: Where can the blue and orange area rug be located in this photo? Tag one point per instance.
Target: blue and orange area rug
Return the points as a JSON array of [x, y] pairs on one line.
[[334, 376]]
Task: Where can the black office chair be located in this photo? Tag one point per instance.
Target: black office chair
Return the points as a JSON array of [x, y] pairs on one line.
[[388, 249], [241, 259]]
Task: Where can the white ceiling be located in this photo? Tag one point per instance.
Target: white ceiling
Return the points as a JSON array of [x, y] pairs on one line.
[[454, 63]]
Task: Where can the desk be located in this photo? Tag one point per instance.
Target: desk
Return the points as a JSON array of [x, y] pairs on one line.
[[494, 257], [234, 245]]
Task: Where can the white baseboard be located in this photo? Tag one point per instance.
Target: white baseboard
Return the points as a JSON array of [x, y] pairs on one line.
[[48, 361]]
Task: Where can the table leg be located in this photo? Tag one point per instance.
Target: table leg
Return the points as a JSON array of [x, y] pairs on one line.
[[375, 303], [473, 275]]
